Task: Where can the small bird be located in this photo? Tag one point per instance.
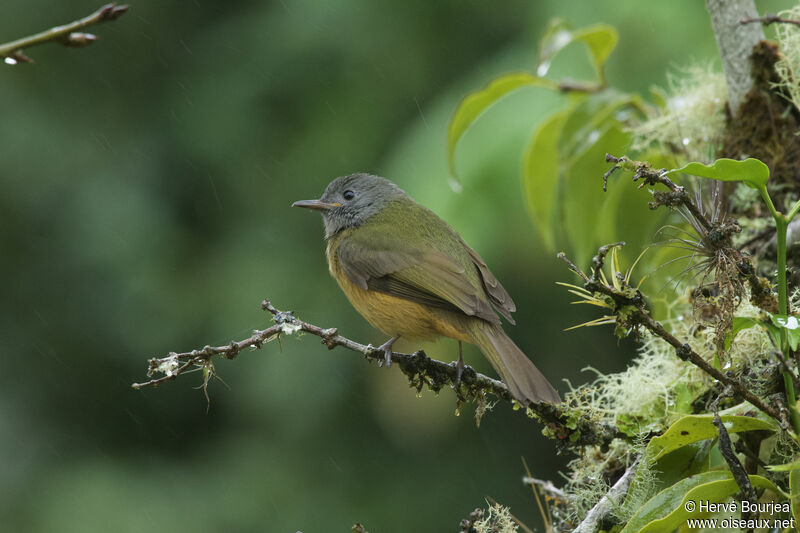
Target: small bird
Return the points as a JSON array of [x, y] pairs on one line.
[[412, 276]]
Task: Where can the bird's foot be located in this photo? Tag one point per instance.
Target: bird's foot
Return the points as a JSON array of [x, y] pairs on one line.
[[459, 366], [386, 347]]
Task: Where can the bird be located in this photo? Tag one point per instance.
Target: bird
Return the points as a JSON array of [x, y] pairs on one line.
[[412, 276]]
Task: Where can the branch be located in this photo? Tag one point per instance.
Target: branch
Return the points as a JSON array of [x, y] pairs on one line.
[[768, 19], [735, 42], [608, 502], [67, 35], [761, 294], [569, 428], [651, 176], [726, 450], [635, 304]]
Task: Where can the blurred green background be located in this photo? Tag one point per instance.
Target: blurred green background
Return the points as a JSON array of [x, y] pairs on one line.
[[146, 185]]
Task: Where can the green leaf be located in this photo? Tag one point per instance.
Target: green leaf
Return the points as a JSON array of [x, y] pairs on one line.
[[540, 173], [788, 467], [683, 462], [667, 511], [662, 503], [588, 116], [753, 172], [583, 193], [600, 39], [477, 102], [739, 323], [794, 490], [693, 428], [791, 325]]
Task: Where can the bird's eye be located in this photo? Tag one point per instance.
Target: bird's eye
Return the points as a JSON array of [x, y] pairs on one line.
[[348, 195]]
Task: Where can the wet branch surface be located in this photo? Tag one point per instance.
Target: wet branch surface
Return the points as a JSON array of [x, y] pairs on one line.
[[66, 35], [421, 371]]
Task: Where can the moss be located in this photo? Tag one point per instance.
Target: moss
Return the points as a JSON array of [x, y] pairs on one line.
[[766, 124], [692, 121]]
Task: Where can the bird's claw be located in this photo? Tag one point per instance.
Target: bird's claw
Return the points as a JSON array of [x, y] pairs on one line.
[[387, 351]]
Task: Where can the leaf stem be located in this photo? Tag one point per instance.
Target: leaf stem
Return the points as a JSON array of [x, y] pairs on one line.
[[781, 226]]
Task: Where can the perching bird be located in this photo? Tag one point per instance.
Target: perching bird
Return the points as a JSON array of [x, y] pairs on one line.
[[412, 276]]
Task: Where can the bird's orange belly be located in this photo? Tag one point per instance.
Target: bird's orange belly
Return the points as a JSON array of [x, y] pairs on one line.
[[400, 317]]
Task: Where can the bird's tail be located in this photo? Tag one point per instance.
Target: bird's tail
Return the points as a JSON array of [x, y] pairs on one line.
[[523, 379]]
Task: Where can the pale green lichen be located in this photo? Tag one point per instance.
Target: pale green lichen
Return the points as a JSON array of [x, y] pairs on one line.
[[498, 519], [788, 65], [654, 391], [692, 119], [587, 482]]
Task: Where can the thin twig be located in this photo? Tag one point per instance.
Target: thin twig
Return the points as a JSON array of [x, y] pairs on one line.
[[67, 34], [768, 19], [421, 370], [580, 86], [651, 176], [547, 487]]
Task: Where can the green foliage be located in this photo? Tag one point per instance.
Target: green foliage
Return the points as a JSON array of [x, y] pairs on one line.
[[540, 173], [694, 428], [477, 102], [667, 510], [600, 40], [753, 172]]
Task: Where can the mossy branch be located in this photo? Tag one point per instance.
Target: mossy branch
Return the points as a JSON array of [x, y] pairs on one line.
[[609, 502], [67, 35], [632, 305], [567, 427]]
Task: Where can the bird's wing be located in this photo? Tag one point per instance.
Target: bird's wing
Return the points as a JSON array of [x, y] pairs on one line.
[[497, 294], [426, 276]]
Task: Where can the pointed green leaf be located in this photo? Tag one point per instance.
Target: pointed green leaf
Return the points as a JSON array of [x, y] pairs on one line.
[[600, 39], [477, 102], [752, 172], [667, 510], [540, 173], [693, 428]]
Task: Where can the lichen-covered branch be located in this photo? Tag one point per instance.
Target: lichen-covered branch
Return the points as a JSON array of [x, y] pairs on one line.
[[717, 235], [68, 35], [632, 305], [608, 503], [562, 424]]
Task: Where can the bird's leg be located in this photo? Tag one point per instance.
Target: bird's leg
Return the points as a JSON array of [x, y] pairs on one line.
[[387, 349], [459, 365]]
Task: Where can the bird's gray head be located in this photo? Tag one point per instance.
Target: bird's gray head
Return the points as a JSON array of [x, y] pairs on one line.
[[350, 200]]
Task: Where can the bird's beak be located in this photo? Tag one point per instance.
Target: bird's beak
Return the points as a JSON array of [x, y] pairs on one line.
[[316, 204]]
